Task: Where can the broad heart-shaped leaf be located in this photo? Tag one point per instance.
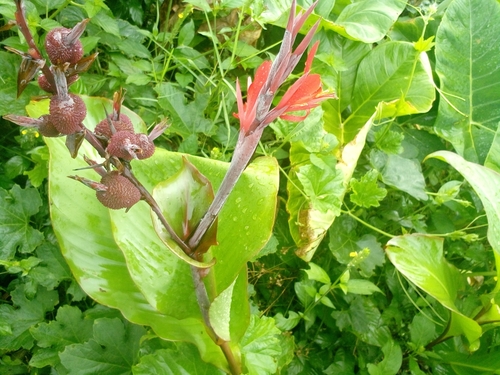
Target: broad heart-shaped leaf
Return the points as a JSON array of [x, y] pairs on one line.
[[323, 182], [485, 182], [395, 74], [183, 199], [467, 50], [420, 258], [83, 228], [16, 208], [366, 20]]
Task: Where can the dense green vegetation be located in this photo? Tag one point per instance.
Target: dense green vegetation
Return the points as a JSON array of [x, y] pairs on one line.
[[364, 239]]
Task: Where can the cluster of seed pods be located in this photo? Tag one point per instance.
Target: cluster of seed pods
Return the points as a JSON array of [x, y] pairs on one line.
[[116, 133]]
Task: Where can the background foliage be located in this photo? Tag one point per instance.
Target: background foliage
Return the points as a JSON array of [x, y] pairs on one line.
[[382, 259]]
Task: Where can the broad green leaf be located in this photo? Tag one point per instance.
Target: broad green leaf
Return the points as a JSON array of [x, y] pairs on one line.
[[467, 50], [112, 350], [16, 208], [260, 346], [366, 192], [187, 118], [84, 231], [361, 286], [485, 182], [395, 74], [390, 365], [183, 200], [368, 21], [420, 258], [26, 313], [220, 313], [183, 360], [69, 327], [404, 174], [317, 273], [53, 268]]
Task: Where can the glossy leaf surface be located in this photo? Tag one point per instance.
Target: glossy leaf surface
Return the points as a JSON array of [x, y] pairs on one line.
[[467, 50]]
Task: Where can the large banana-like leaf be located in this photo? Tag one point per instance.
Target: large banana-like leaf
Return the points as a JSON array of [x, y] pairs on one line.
[[468, 65]]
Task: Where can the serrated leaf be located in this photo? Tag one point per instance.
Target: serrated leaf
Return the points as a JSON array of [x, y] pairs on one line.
[[113, 349], [390, 365], [16, 208], [68, 328], [220, 313], [470, 108], [52, 269], [317, 273], [422, 330], [40, 171], [28, 312], [260, 346], [389, 141], [187, 118], [366, 192], [184, 360]]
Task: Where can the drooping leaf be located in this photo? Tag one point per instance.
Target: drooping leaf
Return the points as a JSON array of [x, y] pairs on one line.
[[317, 273], [368, 21], [467, 47], [70, 327], [25, 314], [361, 286], [182, 360], [112, 350], [420, 258], [16, 208], [485, 182], [395, 74]]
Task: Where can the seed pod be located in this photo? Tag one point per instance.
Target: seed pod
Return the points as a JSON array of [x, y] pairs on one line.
[[119, 192], [62, 44], [123, 124], [123, 145], [146, 147], [67, 113]]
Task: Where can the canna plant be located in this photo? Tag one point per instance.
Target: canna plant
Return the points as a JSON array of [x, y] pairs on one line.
[[175, 259]]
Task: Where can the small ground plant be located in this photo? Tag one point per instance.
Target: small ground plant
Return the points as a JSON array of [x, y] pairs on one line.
[[254, 187]]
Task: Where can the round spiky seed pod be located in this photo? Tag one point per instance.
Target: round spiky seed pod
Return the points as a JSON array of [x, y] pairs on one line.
[[146, 147], [123, 145], [67, 113], [60, 48], [120, 193], [46, 86], [123, 124]]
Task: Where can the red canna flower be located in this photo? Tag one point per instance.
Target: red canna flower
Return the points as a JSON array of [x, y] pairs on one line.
[[306, 93]]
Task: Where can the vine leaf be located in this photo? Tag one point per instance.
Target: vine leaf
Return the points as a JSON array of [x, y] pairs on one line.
[[16, 208]]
